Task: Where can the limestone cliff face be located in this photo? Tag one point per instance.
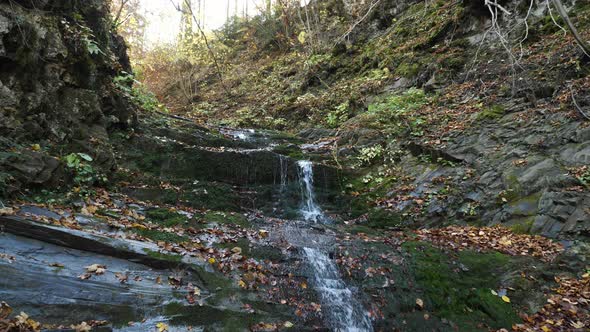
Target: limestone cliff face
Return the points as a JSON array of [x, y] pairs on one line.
[[57, 63]]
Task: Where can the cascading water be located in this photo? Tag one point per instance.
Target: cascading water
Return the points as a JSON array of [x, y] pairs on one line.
[[343, 312], [309, 208]]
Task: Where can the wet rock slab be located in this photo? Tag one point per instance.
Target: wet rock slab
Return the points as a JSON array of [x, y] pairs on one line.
[[44, 282]]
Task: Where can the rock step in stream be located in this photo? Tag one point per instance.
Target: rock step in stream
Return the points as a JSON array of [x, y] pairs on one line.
[[45, 278], [343, 311]]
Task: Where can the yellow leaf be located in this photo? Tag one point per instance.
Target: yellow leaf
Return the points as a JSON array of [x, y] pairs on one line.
[[545, 329], [237, 250], [263, 233], [288, 324], [211, 260], [506, 299], [242, 283], [578, 325], [36, 147], [162, 327], [301, 37]]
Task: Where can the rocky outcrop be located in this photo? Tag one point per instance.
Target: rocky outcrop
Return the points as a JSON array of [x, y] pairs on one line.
[[58, 59]]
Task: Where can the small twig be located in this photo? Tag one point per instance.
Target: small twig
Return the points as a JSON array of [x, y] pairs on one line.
[[578, 106], [345, 35], [497, 5]]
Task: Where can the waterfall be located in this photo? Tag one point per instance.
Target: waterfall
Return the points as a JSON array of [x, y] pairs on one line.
[[309, 208], [342, 311]]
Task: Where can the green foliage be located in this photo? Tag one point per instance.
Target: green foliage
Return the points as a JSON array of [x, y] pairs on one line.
[[369, 155], [584, 178], [92, 46], [138, 93], [396, 114], [338, 116], [84, 173]]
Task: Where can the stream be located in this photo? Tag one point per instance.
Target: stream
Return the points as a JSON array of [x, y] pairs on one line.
[[343, 311], [43, 265]]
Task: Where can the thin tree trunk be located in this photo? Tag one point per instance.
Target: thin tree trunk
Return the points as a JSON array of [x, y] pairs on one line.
[[213, 57], [118, 16]]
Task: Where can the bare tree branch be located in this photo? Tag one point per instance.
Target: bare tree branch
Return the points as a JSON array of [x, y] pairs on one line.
[[581, 42], [116, 22], [373, 5], [578, 106]]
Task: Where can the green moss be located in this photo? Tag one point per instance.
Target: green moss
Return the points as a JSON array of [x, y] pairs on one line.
[[492, 112], [157, 235], [219, 217], [258, 252], [459, 288], [166, 217], [290, 150], [163, 256], [381, 218], [523, 226], [408, 70]]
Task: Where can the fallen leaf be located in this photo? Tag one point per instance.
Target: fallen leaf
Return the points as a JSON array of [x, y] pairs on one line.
[[162, 327], [5, 310], [96, 269], [82, 327], [85, 276], [288, 324], [420, 303], [505, 299], [6, 211]]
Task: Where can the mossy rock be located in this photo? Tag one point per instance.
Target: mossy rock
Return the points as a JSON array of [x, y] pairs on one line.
[[166, 217], [381, 218], [459, 288], [491, 113], [163, 256], [225, 218], [257, 252], [157, 235]]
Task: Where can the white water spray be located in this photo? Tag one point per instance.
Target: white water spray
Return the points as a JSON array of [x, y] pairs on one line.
[[309, 208]]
